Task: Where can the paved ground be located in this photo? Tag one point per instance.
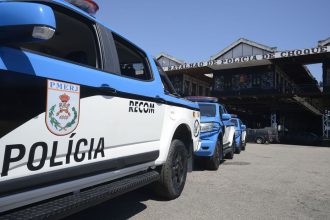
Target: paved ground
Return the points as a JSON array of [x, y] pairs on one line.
[[264, 182]]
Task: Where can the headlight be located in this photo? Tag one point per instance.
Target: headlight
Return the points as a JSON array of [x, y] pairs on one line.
[[209, 127], [196, 128], [43, 33]]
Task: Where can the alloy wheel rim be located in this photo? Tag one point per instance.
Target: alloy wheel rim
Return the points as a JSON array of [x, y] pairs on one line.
[[177, 170]]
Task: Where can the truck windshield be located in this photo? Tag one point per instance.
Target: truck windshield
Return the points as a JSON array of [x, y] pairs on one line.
[[234, 122], [207, 110]]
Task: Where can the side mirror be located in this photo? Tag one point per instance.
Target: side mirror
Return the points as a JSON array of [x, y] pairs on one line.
[[26, 22], [226, 116], [243, 127]]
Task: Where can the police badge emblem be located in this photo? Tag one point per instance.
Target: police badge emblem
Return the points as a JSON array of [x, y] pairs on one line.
[[63, 103]]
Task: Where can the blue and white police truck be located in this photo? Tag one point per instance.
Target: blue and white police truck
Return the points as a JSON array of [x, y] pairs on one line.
[[217, 132], [240, 133], [85, 114]]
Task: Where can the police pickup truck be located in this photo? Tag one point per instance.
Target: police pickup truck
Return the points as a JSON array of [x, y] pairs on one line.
[[217, 132], [85, 114], [240, 133]]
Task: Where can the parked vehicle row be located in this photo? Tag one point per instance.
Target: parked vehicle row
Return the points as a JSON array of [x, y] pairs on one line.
[[222, 134]]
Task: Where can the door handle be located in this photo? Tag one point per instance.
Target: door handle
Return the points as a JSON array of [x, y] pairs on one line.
[[106, 88]]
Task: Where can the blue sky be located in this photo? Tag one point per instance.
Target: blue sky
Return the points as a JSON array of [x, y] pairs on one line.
[[195, 30]]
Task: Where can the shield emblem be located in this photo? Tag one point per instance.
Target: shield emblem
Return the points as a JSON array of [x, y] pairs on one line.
[[63, 107]]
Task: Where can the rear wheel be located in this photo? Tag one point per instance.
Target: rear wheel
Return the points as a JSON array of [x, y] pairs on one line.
[[214, 161], [174, 172]]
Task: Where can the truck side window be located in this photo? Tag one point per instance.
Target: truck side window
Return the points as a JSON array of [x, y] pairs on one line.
[[74, 40], [132, 61], [234, 121], [240, 122]]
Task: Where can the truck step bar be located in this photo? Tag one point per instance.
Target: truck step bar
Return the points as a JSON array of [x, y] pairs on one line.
[[64, 206]]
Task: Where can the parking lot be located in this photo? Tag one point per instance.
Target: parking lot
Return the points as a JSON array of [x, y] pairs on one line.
[[263, 182]]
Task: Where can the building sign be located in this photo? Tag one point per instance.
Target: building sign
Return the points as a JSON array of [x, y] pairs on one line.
[[270, 56]]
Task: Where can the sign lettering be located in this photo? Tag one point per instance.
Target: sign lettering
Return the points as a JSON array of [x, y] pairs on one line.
[[270, 56]]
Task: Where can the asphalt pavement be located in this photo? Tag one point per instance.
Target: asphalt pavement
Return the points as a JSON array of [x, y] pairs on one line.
[[264, 182]]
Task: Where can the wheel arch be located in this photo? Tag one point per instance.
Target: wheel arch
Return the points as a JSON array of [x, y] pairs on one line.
[[184, 134]]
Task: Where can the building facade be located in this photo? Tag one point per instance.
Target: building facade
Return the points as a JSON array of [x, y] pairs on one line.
[[264, 86]]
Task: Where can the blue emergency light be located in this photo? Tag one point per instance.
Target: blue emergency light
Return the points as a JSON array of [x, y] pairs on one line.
[[202, 99]]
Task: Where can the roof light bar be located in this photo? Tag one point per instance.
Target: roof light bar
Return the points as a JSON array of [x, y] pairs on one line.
[[88, 6], [202, 99]]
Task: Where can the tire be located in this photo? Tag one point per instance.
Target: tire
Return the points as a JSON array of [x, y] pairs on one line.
[[213, 162], [243, 144], [238, 150], [173, 173], [230, 155], [259, 140], [243, 147]]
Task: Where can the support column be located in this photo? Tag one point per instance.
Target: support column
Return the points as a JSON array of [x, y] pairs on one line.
[[326, 125], [326, 77]]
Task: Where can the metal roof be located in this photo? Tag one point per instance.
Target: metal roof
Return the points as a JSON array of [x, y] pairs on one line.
[[245, 41], [162, 54], [325, 42]]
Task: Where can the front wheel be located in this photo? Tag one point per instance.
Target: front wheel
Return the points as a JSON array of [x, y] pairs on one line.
[[259, 140], [174, 172], [215, 160], [238, 147], [243, 146]]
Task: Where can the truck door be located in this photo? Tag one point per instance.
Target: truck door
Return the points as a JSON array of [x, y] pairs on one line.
[[227, 129], [60, 108]]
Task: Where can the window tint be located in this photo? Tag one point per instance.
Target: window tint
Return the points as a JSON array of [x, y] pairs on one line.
[[207, 110], [132, 61], [74, 40]]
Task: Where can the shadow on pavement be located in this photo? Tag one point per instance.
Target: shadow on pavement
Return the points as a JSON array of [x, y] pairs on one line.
[[122, 207]]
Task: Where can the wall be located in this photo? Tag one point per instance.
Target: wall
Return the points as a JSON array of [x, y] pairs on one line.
[[242, 81]]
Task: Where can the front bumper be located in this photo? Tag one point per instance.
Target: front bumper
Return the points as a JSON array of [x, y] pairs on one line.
[[207, 147]]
